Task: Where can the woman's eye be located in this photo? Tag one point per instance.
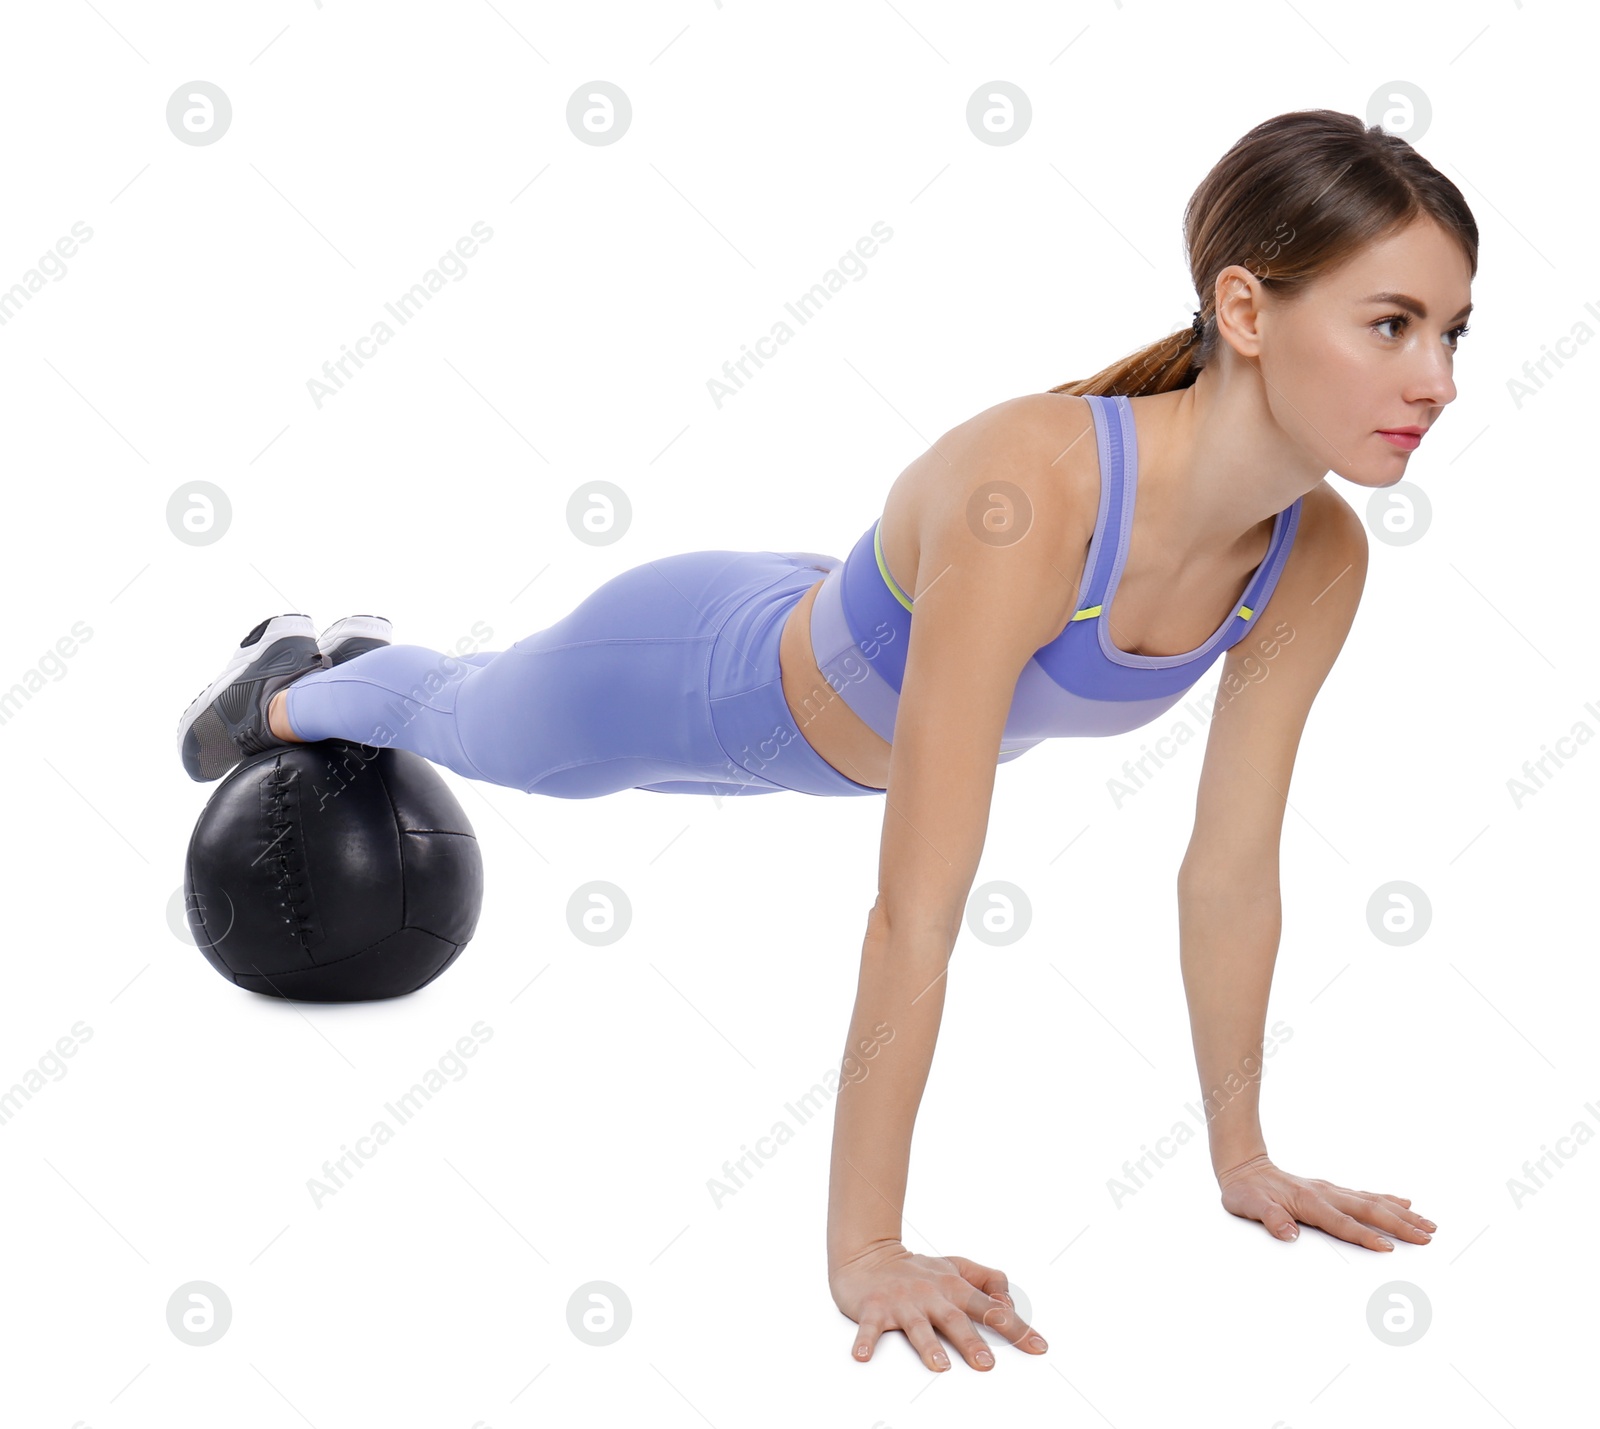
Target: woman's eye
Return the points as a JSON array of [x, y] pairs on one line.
[[1400, 320]]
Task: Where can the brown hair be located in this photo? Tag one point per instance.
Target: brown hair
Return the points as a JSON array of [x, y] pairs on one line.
[[1293, 198]]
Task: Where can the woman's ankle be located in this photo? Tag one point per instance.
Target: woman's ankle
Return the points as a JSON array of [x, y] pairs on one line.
[[278, 720]]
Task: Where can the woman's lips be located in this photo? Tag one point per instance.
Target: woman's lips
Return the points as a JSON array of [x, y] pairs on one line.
[[1406, 441]]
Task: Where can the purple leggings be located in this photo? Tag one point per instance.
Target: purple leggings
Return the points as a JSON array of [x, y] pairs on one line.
[[665, 678]]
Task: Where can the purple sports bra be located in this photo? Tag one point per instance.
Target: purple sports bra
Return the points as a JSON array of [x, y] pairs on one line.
[[1078, 684]]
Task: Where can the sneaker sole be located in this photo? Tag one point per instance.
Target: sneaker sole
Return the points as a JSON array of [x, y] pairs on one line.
[[205, 732]]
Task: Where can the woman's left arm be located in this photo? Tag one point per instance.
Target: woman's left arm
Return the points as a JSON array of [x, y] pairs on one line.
[[1229, 909]]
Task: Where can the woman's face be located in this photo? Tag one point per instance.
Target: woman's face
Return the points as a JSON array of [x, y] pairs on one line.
[[1366, 348]]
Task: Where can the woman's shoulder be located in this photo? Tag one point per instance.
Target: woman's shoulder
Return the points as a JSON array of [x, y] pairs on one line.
[[1036, 451], [1328, 527], [1036, 437], [1031, 418], [1017, 475]]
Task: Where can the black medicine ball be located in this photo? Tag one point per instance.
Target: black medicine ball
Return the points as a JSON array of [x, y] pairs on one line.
[[332, 872]]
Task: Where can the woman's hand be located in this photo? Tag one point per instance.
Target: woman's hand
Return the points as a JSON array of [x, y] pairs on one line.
[[886, 1287], [1259, 1191]]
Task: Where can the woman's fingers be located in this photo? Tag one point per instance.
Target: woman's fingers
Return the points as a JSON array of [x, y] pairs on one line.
[[919, 1331], [1001, 1316], [1278, 1200], [867, 1333], [985, 1277], [958, 1329], [915, 1325], [1405, 1211], [1356, 1216], [891, 1289], [1381, 1213], [957, 1321], [1278, 1220], [1324, 1214]]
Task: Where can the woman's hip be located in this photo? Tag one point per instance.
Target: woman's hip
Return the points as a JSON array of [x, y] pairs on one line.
[[665, 677]]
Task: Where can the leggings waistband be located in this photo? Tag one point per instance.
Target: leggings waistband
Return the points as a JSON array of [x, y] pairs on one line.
[[750, 714]]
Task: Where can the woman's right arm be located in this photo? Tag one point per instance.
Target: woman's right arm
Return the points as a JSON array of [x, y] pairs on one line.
[[983, 610]]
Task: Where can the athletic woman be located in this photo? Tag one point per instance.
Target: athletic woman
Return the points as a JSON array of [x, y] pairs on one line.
[[1077, 560]]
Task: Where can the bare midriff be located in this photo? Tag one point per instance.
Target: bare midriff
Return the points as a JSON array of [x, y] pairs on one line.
[[824, 720]]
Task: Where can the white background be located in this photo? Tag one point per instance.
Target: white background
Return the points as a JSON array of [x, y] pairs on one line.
[[766, 140]]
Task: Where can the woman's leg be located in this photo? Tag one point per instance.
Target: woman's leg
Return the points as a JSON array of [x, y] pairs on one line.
[[399, 695], [643, 685], [613, 696]]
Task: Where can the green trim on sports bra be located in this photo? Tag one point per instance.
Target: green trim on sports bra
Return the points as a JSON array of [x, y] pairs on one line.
[[883, 566], [1087, 613]]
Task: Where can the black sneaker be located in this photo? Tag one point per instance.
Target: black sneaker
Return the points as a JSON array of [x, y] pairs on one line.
[[228, 719]]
